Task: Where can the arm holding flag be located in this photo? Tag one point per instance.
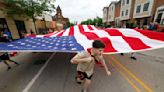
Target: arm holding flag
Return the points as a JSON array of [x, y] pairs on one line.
[[80, 58]]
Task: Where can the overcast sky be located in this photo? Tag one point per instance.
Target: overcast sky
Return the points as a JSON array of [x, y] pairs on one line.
[[80, 10]]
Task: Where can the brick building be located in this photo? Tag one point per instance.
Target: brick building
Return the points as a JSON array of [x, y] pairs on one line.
[[60, 20], [126, 11], [117, 13], [158, 10], [16, 25], [105, 15], [111, 13], [138, 12]]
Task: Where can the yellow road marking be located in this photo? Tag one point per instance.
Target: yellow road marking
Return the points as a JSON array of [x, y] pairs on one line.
[[130, 82], [132, 75]]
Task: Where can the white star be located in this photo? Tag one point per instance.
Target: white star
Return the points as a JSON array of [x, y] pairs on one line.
[[70, 42], [43, 45], [63, 48], [73, 48], [71, 45], [55, 47], [64, 45], [22, 43], [57, 44], [33, 46], [49, 46], [10, 45], [28, 45]]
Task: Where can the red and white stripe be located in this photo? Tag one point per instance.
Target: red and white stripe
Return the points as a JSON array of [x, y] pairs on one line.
[[117, 40], [54, 34]]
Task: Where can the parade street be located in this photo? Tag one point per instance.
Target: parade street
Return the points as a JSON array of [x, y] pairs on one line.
[[41, 45], [57, 74]]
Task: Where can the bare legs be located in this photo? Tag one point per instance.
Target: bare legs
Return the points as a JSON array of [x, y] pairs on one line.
[[9, 67], [87, 83]]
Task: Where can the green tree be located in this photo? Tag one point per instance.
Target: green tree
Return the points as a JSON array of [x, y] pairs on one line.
[[96, 21], [28, 8], [99, 21], [68, 24]]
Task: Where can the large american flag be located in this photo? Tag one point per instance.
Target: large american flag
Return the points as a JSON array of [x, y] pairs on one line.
[[80, 37]]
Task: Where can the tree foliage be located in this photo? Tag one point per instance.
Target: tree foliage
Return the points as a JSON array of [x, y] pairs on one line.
[[27, 8], [96, 21], [68, 24]]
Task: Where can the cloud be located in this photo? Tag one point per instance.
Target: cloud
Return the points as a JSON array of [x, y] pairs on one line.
[[79, 10]]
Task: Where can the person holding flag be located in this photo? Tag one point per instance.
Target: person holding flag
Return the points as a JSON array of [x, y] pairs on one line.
[[85, 63], [4, 57]]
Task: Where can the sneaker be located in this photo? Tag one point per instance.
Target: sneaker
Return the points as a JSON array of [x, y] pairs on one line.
[[77, 81], [8, 68], [17, 63], [134, 58], [83, 90]]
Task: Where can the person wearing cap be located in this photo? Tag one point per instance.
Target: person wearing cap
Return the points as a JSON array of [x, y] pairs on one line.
[[5, 38], [8, 34]]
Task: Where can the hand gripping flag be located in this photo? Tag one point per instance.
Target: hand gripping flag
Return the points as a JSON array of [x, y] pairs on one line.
[[80, 37]]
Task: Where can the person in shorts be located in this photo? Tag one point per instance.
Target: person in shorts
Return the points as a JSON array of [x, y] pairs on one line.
[[4, 57], [85, 63]]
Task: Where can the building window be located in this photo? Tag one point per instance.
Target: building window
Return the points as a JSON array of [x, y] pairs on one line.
[[162, 23], [127, 2], [3, 24], [161, 10], [145, 22], [123, 2], [126, 12], [122, 13], [146, 7], [159, 17], [138, 22], [138, 9], [109, 16]]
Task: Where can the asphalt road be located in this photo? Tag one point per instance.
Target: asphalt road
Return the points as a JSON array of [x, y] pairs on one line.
[[146, 74]]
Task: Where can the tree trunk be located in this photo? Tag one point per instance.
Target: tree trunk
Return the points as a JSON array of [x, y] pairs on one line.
[[33, 19]]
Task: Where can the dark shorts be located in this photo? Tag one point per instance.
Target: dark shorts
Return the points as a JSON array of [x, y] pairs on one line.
[[4, 57], [83, 75]]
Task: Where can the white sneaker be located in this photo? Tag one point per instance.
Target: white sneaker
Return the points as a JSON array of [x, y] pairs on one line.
[[84, 90]]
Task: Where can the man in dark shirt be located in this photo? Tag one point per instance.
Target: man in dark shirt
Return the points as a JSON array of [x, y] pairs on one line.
[[4, 57]]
